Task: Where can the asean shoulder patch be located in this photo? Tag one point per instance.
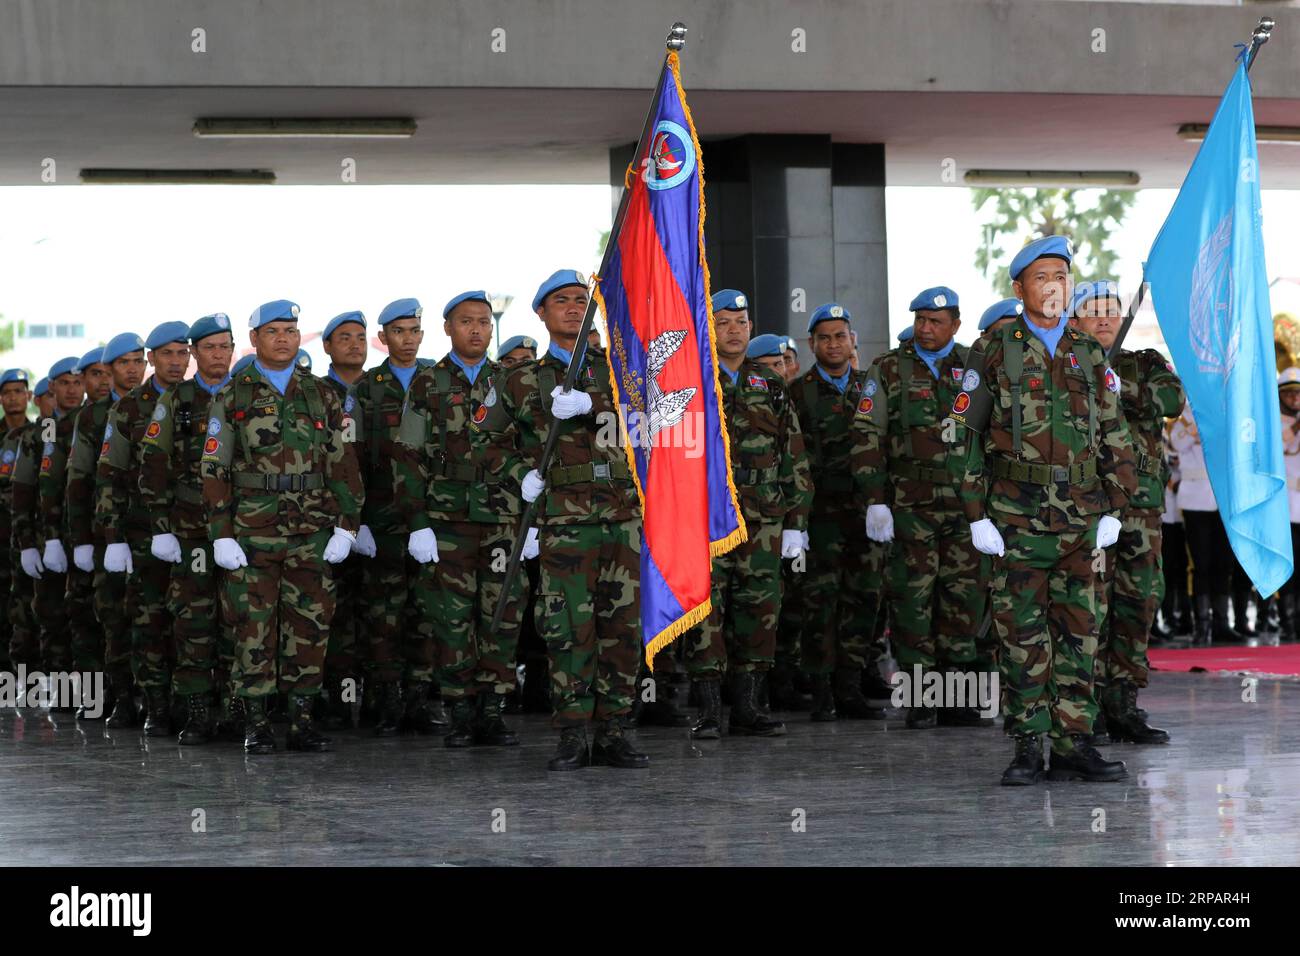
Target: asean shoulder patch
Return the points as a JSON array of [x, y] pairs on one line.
[[210, 446], [865, 406], [480, 414], [153, 429], [961, 403]]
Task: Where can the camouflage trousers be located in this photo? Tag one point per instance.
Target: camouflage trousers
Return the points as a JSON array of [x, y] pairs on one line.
[[52, 617], [399, 643], [458, 597], [24, 633], [6, 627], [205, 647], [152, 648], [1129, 592], [789, 630], [938, 588], [280, 607], [746, 599], [841, 593], [87, 635], [1044, 609], [342, 661], [110, 611], [588, 612]]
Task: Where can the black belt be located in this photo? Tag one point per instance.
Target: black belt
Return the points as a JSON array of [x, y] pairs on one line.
[[755, 476], [259, 482]]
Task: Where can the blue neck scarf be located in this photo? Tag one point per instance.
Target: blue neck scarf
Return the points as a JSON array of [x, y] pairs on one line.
[[932, 359], [1049, 337], [403, 375], [210, 389], [841, 382], [563, 355], [335, 375], [471, 371], [279, 380], [735, 376]]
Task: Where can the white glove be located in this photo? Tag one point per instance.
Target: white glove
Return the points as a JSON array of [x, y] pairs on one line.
[[228, 554], [117, 558], [804, 536], [55, 558], [569, 404], [366, 542], [339, 546], [880, 523], [532, 547], [31, 559], [532, 485], [423, 545], [791, 543], [986, 538], [83, 556], [1107, 531], [165, 547]]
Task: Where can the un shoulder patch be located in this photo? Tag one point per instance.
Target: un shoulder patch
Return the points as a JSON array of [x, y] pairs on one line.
[[159, 412], [970, 381], [214, 426]]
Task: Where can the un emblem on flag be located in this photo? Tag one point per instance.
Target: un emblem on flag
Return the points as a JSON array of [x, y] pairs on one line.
[[672, 155], [1209, 309]]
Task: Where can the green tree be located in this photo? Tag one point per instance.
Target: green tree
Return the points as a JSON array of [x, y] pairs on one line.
[[1046, 212], [7, 334]]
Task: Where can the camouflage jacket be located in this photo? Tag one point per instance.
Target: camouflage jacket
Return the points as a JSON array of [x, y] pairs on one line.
[[171, 483], [87, 443], [9, 447], [276, 465], [826, 418], [907, 451], [120, 511], [1075, 460], [589, 481], [379, 399], [768, 462], [1149, 393], [27, 529], [52, 485], [440, 467]]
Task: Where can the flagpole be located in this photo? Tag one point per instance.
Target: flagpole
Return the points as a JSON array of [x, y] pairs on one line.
[[676, 40], [1263, 31]]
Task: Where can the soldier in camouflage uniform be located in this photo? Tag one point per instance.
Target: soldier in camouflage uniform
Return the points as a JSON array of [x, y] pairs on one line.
[[24, 647], [171, 491], [1133, 580], [401, 643], [345, 343], [121, 514], [283, 499], [770, 473], [1051, 463], [909, 458], [589, 519], [123, 356], [462, 517], [841, 594]]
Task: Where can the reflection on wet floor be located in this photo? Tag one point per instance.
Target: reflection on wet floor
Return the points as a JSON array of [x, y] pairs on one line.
[[1224, 792]]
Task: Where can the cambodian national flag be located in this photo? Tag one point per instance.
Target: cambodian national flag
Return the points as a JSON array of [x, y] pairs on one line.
[[655, 299], [1210, 292]]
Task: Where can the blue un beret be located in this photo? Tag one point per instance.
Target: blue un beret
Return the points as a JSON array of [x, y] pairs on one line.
[[474, 295], [1087, 291], [729, 299], [343, 318], [1057, 247], [93, 357], [242, 364], [769, 343], [516, 342], [400, 309], [940, 297], [1004, 309], [279, 310], [828, 312], [210, 325], [41, 388], [64, 366], [167, 333], [557, 280], [907, 333], [13, 375], [120, 345]]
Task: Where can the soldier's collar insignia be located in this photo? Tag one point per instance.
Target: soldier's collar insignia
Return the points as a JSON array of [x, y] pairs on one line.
[[1019, 334]]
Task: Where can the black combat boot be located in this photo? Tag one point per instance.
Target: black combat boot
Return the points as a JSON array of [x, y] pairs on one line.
[[1202, 629], [1083, 762], [615, 746], [708, 726], [747, 717], [302, 734], [762, 701], [388, 720], [198, 722], [823, 698], [784, 694], [1026, 767], [1223, 632], [462, 724], [1100, 728], [536, 696], [489, 728], [960, 716], [158, 717], [1125, 722], [419, 715], [1286, 618], [850, 702], [1241, 620], [921, 718], [874, 686], [1162, 628], [573, 752], [124, 712], [258, 736], [663, 710], [338, 712]]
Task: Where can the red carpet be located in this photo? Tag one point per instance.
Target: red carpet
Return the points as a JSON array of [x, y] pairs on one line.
[[1284, 660]]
